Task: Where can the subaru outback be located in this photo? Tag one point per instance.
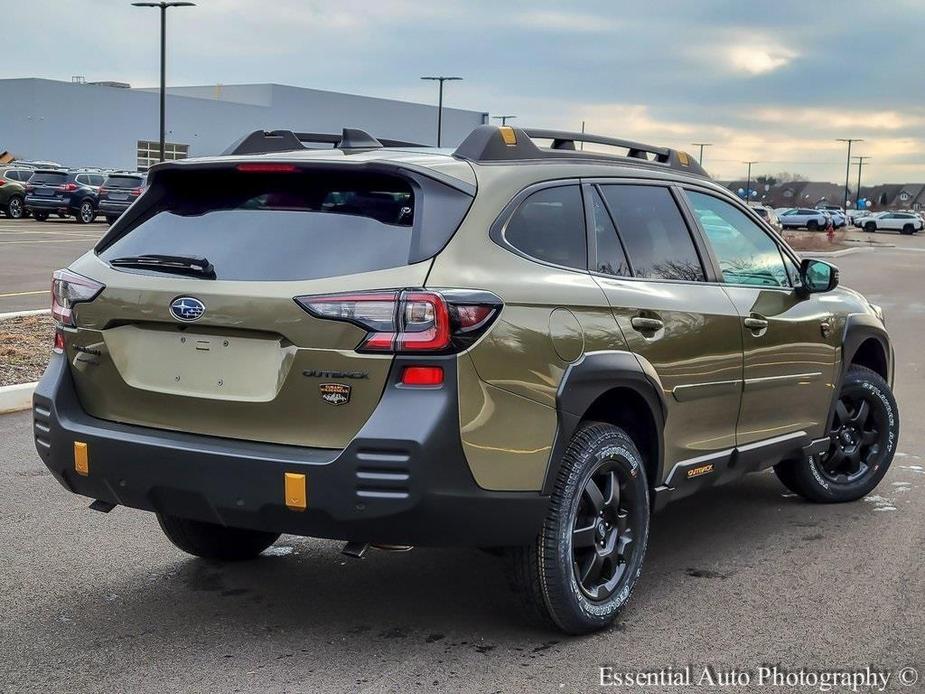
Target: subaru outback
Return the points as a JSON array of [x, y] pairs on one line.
[[515, 345]]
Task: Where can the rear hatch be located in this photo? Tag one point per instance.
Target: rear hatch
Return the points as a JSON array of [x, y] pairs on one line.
[[226, 350], [47, 184], [121, 188]]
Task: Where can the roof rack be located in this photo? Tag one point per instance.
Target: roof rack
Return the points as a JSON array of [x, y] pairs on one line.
[[490, 143], [264, 142]]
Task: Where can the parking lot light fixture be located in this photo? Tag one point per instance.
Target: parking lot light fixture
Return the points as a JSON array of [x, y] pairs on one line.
[[701, 145], [849, 140], [163, 7], [441, 79], [857, 196], [748, 179]]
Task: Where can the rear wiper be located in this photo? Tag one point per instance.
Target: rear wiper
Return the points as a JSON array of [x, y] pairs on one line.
[[179, 264]]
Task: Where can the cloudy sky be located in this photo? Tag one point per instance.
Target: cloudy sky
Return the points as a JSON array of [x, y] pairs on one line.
[[774, 81]]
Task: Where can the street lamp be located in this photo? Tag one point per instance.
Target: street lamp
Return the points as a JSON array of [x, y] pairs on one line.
[[163, 6], [701, 145], [860, 163], [849, 140], [503, 119], [748, 180], [441, 80]]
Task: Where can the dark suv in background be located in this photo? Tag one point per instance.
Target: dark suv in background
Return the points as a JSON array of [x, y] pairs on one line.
[[118, 192], [12, 190], [68, 192]]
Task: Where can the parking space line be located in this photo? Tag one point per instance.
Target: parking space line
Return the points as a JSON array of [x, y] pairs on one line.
[[46, 240], [41, 291]]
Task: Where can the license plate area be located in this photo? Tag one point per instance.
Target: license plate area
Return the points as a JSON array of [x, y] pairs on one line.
[[200, 365], [118, 196]]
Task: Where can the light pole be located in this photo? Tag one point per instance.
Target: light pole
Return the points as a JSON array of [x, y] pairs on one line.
[[441, 80], [857, 196], [503, 119], [748, 179], [163, 6], [701, 145], [849, 140]]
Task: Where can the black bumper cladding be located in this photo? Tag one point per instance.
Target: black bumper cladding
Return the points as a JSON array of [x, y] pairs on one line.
[[403, 480]]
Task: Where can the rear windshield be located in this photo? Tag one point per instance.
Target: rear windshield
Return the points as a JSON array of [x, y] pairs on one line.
[[51, 177], [123, 182], [291, 226]]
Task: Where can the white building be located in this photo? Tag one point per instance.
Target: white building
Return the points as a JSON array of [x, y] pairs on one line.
[[79, 124]]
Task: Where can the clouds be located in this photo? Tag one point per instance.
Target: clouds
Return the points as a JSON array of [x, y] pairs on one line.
[[775, 82]]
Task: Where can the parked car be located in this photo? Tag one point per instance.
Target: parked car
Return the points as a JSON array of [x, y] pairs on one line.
[[118, 191], [836, 213], [903, 222], [13, 190], [67, 192], [854, 216], [804, 217], [415, 348], [767, 214]]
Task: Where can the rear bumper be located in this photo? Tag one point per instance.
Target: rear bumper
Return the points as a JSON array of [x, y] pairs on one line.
[[403, 480], [50, 204], [114, 207]]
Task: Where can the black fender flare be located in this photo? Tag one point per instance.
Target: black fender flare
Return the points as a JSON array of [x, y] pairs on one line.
[[583, 382], [860, 327]]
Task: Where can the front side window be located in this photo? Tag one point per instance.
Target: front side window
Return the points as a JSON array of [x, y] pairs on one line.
[[549, 226], [746, 254], [657, 241]]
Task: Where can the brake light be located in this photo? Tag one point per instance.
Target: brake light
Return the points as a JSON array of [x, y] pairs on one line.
[[266, 167], [103, 191], [29, 187], [412, 321], [68, 289], [68, 187], [422, 376], [2, 182], [135, 192]]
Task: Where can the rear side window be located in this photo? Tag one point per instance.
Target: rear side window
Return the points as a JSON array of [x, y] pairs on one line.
[[611, 260], [654, 233], [549, 226], [291, 226]]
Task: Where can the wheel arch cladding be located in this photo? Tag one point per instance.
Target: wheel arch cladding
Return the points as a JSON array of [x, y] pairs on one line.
[[610, 387], [867, 344]]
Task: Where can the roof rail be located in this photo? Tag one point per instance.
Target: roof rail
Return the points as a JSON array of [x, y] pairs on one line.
[[264, 142], [490, 143]]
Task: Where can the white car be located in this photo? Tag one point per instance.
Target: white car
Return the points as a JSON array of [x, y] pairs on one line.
[[903, 222], [799, 217], [839, 218], [767, 214], [854, 216]]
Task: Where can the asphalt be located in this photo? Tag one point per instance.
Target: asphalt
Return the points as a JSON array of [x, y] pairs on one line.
[[30, 251], [739, 577]]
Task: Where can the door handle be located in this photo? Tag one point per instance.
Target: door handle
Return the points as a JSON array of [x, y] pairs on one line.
[[646, 325], [756, 324]]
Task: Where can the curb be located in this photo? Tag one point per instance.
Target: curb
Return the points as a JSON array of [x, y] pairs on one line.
[[16, 398], [21, 314], [834, 254]]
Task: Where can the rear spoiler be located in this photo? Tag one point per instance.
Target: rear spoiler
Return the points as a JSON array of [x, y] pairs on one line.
[[265, 142]]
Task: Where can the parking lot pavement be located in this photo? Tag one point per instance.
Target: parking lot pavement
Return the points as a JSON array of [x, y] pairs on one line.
[[740, 576], [30, 251]]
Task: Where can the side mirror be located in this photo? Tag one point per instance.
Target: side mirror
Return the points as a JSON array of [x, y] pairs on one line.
[[818, 276]]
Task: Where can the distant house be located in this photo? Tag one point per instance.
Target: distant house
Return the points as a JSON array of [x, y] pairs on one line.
[[887, 196]]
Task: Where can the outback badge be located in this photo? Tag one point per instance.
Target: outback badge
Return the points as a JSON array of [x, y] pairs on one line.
[[335, 393]]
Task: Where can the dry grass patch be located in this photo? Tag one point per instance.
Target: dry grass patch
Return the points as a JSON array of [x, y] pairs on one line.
[[815, 240], [25, 345]]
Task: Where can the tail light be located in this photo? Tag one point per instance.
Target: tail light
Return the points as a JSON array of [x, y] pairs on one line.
[[2, 182], [58, 347], [410, 321], [422, 376], [135, 192], [29, 187], [102, 190], [68, 289], [68, 187]]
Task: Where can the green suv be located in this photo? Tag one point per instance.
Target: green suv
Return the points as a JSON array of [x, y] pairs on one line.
[[512, 345], [13, 190]]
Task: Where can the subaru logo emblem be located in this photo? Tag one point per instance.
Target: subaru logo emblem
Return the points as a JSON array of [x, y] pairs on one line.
[[186, 308]]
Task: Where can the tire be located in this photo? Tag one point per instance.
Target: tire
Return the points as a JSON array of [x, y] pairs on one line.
[[870, 227], [544, 575], [39, 216], [110, 219], [86, 213], [908, 230], [14, 208], [812, 225], [211, 541], [862, 446]]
